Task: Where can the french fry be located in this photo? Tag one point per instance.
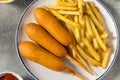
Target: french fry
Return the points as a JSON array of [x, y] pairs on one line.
[[82, 32], [105, 41], [82, 44], [97, 13], [87, 36], [85, 67], [98, 38], [68, 12], [89, 70], [95, 44], [77, 35], [80, 6], [91, 50], [74, 55], [67, 4], [82, 66], [83, 24], [104, 35], [82, 20], [82, 60], [76, 31], [96, 22], [88, 28], [106, 58], [87, 52], [70, 1], [88, 58], [101, 53], [79, 60], [97, 9], [60, 7], [79, 56], [81, 12], [76, 19], [74, 24]]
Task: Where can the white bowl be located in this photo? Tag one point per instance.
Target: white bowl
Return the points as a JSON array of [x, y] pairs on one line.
[[13, 73]]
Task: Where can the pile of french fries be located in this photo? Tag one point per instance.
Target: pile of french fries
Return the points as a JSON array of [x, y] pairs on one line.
[[85, 23]]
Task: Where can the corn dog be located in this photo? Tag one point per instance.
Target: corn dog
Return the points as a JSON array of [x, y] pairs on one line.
[[39, 35], [39, 55], [50, 23]]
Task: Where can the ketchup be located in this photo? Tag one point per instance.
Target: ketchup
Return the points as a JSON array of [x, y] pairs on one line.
[[8, 76]]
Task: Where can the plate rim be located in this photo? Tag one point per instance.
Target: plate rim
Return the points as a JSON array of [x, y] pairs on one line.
[[31, 74]]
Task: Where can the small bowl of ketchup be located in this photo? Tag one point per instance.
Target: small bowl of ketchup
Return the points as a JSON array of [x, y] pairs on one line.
[[6, 75]]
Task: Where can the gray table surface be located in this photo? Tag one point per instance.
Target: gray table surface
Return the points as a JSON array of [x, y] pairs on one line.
[[9, 16]]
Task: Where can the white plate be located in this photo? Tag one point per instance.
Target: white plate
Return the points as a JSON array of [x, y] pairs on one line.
[[39, 72]]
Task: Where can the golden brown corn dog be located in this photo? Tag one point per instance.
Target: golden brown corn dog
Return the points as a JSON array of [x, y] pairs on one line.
[[39, 55], [39, 35], [50, 23], [35, 53]]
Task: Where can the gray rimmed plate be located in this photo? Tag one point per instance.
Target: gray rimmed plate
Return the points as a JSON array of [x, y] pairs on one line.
[[39, 72]]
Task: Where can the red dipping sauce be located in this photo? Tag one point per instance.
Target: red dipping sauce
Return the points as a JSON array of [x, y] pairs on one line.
[[8, 76]]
